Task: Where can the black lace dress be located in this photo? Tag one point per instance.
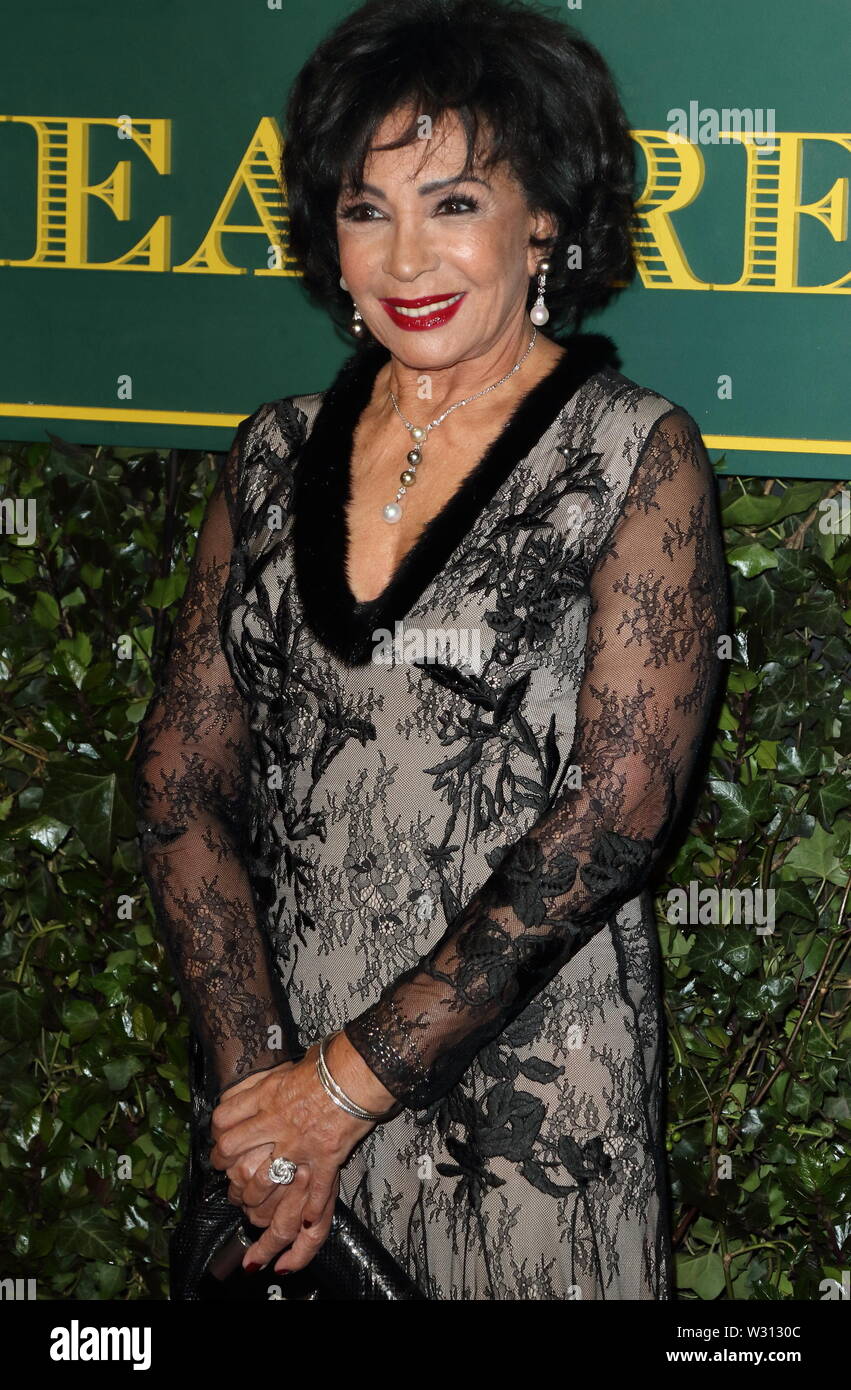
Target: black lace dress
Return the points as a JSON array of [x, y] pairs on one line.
[[444, 841]]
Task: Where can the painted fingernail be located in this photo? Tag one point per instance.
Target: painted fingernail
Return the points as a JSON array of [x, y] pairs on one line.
[[252, 1267]]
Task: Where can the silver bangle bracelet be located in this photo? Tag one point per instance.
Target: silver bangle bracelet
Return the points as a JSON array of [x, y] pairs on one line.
[[336, 1093]]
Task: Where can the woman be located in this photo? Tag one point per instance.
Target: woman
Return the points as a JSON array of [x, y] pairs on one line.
[[437, 689]]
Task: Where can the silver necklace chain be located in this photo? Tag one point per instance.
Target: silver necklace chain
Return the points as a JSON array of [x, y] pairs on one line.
[[420, 433]]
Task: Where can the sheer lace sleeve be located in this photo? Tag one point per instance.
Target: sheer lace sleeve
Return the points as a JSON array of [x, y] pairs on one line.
[[192, 775], [658, 603]]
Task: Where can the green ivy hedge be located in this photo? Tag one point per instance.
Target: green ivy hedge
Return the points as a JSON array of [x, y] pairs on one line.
[[92, 1033]]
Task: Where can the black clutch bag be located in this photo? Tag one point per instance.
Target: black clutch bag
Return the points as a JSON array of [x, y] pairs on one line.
[[207, 1245]]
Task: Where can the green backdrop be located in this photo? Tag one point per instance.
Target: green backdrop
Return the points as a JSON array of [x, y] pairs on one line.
[[171, 113]]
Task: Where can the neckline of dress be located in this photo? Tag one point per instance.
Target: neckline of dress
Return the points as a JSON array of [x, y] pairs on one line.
[[322, 492]]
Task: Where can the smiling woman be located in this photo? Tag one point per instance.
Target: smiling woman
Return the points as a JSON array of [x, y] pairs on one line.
[[408, 902]]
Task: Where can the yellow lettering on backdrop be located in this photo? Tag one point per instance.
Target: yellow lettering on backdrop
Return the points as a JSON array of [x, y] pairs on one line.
[[773, 211], [676, 174], [64, 190], [256, 174]]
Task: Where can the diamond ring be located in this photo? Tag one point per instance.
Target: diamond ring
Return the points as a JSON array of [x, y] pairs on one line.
[[282, 1170]]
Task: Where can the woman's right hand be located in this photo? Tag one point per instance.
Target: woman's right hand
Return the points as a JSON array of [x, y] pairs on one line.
[[292, 1116], [249, 1162], [310, 1237]]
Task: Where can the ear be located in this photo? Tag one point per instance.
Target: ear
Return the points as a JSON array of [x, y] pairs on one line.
[[542, 225]]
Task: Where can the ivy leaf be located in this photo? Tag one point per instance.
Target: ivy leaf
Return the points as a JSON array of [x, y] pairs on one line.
[[20, 1013], [90, 802], [819, 856], [751, 1123], [831, 798], [96, 501], [791, 898], [45, 610], [101, 1281], [87, 1232], [164, 592], [796, 764], [838, 1108], [813, 1171], [751, 560], [704, 1274], [81, 1019], [762, 602], [766, 510], [741, 807], [765, 998], [85, 1107]]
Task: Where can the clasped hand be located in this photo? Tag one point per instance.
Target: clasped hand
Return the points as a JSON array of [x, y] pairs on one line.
[[284, 1112]]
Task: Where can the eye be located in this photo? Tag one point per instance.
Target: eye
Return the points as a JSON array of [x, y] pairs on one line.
[[459, 205], [358, 212]]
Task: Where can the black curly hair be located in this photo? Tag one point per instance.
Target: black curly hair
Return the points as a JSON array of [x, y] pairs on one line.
[[523, 83]]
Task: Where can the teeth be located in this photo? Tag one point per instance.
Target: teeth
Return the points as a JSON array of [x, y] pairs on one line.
[[429, 308]]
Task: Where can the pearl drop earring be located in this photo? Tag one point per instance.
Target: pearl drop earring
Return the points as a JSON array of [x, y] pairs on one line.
[[357, 327], [539, 313]]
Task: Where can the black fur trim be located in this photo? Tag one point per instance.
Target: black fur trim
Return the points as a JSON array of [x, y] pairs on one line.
[[322, 494]]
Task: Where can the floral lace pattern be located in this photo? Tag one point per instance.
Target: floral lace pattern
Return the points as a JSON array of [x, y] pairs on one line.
[[454, 864]]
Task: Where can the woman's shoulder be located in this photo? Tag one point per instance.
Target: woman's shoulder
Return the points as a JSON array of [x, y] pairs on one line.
[[635, 435], [265, 442], [277, 426]]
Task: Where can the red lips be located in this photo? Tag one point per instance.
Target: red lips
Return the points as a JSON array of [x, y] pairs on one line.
[[417, 303], [422, 322]]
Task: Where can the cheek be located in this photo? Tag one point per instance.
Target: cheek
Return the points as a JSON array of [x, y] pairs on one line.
[[492, 264], [355, 256], [490, 259]]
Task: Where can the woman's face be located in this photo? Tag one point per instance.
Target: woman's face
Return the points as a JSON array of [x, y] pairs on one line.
[[418, 232]]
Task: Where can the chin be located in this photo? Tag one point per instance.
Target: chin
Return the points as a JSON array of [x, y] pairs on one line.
[[435, 349]]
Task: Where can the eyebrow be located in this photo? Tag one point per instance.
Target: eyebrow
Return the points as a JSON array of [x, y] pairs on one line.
[[433, 187]]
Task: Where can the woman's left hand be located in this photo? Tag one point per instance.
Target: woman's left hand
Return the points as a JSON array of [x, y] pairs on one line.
[[288, 1113]]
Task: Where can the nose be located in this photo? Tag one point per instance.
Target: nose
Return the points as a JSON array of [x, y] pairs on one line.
[[408, 253]]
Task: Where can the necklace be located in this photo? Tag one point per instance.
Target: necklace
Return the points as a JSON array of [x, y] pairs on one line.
[[420, 433]]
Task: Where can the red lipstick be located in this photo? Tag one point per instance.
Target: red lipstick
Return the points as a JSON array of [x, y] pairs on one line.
[[446, 306]]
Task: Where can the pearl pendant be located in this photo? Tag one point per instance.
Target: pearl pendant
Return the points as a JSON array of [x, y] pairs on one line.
[[392, 512], [539, 314]]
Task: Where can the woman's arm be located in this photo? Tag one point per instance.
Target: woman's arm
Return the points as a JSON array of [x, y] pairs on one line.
[[659, 602], [192, 775]]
